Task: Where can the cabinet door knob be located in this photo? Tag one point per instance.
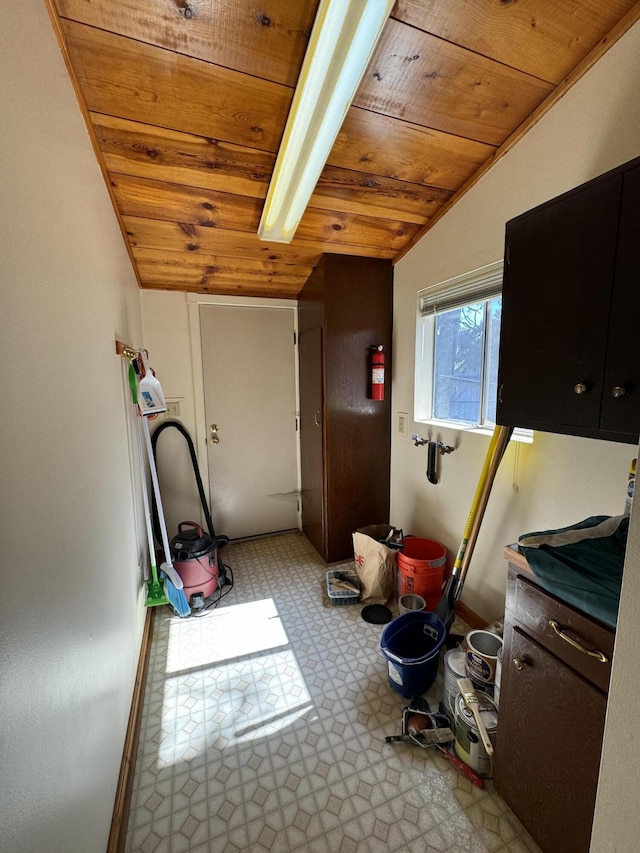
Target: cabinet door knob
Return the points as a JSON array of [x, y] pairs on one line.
[[618, 391], [519, 664], [580, 388]]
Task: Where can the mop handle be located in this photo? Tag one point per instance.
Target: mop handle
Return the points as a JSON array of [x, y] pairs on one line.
[[133, 385], [145, 497], [156, 491]]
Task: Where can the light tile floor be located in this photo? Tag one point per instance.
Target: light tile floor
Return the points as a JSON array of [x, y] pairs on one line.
[[264, 724]]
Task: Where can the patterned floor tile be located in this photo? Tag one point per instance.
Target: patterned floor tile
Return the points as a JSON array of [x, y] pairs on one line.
[[264, 729]]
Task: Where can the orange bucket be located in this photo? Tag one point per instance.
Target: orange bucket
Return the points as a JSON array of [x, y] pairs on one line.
[[421, 568]]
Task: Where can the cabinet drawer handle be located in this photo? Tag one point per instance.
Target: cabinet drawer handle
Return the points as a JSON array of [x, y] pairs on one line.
[[619, 391], [576, 645], [580, 388], [519, 664]]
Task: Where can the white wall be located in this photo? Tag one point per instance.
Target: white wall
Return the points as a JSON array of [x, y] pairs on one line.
[[616, 824], [71, 599], [558, 480], [167, 336]]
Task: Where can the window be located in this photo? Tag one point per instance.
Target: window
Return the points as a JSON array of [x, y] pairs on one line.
[[457, 343]]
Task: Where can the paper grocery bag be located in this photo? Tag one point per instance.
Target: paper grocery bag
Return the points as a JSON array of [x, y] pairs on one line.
[[375, 563]]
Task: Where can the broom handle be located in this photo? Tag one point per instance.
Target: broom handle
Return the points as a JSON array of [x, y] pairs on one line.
[[504, 436], [495, 452], [452, 592]]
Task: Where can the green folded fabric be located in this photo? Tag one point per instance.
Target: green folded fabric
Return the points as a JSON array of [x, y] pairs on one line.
[[582, 564]]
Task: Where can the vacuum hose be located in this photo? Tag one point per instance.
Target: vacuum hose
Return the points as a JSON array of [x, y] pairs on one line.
[[220, 541]]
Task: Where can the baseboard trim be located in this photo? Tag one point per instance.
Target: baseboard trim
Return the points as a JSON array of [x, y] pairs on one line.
[[120, 818], [469, 616]]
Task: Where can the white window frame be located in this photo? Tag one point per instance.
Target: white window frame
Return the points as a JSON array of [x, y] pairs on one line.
[[479, 285]]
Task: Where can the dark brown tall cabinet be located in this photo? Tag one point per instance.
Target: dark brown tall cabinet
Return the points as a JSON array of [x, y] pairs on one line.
[[345, 309]]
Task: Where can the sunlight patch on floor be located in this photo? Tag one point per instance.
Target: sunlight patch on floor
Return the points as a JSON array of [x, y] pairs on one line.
[[224, 634], [231, 678]]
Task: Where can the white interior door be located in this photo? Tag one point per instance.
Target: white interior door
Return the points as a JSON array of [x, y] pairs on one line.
[[249, 376]]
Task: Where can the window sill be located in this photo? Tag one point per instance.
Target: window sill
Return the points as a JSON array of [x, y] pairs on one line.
[[524, 436]]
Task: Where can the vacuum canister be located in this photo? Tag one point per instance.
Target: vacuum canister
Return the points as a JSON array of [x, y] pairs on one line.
[[194, 555]]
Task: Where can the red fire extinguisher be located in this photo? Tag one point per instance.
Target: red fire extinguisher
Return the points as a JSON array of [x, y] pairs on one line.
[[377, 372]]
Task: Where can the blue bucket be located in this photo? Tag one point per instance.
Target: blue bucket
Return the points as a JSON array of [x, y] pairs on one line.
[[411, 644]]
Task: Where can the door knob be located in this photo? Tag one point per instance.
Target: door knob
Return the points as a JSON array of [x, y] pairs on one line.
[[619, 391], [214, 428], [214, 440]]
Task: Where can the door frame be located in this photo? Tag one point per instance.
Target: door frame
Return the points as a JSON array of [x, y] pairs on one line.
[[194, 302]]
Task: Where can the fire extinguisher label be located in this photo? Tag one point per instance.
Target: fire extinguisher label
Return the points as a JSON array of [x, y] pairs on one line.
[[377, 376]]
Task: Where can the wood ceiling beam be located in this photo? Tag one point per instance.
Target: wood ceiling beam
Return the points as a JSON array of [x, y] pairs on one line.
[[140, 150], [431, 82], [555, 41], [147, 199], [269, 43], [129, 79], [187, 237], [606, 42]]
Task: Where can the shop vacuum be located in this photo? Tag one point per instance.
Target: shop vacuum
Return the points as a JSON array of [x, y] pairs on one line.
[[195, 554]]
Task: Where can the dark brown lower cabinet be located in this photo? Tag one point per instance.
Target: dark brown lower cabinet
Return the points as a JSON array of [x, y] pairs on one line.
[[553, 699]]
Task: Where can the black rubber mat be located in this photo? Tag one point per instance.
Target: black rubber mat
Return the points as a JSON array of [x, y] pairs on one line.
[[377, 614]]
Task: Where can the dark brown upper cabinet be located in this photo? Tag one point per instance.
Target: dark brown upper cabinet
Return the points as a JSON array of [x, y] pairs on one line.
[[569, 358]]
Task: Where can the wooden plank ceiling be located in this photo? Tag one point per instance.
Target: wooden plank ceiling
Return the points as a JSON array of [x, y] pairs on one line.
[[187, 99]]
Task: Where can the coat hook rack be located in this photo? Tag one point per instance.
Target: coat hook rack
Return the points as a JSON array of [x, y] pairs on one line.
[[125, 350]]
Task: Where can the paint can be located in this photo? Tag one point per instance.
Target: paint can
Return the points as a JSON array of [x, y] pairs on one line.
[[482, 657], [496, 686], [468, 744], [454, 668], [411, 601]]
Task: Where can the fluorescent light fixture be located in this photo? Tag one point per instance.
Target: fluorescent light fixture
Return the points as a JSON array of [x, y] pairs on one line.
[[344, 35]]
